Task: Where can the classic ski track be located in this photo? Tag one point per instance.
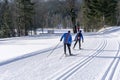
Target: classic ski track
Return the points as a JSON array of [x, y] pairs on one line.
[[64, 74], [113, 64]]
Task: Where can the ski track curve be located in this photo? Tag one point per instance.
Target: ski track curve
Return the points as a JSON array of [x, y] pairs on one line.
[[70, 71], [109, 73]]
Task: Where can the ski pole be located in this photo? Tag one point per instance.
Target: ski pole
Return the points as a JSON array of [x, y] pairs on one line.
[[53, 49]]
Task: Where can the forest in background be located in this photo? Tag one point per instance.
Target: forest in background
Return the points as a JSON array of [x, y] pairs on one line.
[[19, 17]]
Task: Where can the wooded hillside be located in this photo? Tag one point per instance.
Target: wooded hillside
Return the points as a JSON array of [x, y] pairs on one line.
[[19, 17]]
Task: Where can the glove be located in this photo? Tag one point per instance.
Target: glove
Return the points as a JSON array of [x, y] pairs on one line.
[[82, 40]]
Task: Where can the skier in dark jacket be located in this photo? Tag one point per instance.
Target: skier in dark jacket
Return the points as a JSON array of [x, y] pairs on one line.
[[67, 41], [78, 38]]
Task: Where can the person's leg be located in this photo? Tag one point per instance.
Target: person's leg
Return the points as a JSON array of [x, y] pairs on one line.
[[79, 44], [65, 48], [75, 43], [68, 45]]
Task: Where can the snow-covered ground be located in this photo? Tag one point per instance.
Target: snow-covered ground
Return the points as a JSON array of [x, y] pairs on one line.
[[30, 58]]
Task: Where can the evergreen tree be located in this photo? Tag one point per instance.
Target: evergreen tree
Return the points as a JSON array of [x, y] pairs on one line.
[[102, 11], [6, 26], [25, 16], [118, 14]]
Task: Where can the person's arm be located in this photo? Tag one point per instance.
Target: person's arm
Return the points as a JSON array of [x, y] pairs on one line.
[[62, 37]]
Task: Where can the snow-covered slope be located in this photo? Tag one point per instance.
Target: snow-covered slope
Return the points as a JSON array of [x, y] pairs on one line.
[[97, 60]]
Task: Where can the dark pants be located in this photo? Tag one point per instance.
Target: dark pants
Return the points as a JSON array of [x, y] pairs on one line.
[[78, 40], [68, 45]]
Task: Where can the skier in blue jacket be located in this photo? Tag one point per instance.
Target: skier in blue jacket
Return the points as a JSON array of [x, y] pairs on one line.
[[67, 41], [78, 38]]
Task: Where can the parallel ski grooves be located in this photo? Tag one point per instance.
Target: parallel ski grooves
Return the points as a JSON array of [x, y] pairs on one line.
[[79, 65], [115, 62]]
